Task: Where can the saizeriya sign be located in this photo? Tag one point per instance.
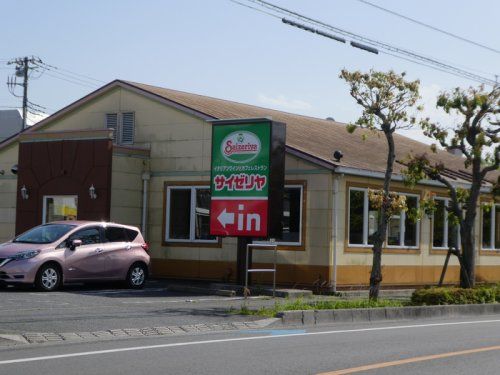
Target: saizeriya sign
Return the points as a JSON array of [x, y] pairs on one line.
[[247, 177]]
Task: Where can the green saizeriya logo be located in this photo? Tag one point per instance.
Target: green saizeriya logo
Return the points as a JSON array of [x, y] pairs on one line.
[[240, 147]]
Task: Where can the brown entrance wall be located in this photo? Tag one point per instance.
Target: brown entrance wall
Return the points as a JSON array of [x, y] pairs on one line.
[[67, 167]]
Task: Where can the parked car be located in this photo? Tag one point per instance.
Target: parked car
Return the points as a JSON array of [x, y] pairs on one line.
[[63, 252]]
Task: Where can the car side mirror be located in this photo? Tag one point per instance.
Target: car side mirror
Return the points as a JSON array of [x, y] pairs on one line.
[[74, 244]]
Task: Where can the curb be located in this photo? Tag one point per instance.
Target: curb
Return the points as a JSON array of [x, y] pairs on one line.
[[200, 290], [72, 337], [311, 317]]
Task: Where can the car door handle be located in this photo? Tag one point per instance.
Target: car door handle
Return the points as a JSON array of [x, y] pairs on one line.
[[129, 247], [98, 251]]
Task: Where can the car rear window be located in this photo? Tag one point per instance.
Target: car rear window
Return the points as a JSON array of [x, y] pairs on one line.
[[115, 234], [131, 234]]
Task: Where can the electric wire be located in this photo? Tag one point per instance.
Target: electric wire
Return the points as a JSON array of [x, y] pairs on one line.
[[410, 55], [55, 70], [70, 81], [477, 44]]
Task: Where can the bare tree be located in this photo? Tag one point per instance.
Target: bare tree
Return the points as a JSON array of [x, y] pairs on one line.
[[386, 99], [476, 137]]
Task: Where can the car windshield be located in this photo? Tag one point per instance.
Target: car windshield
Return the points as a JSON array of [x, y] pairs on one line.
[[44, 233]]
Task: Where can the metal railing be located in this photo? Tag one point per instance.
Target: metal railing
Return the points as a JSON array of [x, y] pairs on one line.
[[270, 245]]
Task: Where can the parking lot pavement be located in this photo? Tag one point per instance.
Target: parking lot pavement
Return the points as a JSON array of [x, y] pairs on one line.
[[99, 308]]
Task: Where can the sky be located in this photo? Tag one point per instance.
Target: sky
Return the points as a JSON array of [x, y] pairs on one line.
[[221, 49]]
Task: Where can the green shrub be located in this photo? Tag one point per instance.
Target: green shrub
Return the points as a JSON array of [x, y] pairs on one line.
[[455, 296], [300, 304]]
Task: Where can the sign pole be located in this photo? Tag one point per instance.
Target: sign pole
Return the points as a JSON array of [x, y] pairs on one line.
[[241, 260]]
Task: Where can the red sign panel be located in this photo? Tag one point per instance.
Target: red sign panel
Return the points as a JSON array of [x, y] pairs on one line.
[[239, 217]]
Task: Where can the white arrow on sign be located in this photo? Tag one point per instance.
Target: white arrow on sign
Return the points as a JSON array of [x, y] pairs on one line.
[[225, 218]]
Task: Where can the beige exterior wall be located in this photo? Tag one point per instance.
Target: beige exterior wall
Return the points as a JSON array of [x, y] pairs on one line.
[[126, 187], [403, 260], [8, 192], [179, 146]]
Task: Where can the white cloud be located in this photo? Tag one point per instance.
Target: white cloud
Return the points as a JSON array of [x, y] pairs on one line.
[[282, 102]]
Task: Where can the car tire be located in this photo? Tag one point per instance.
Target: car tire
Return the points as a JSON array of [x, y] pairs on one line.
[[48, 278], [136, 276]]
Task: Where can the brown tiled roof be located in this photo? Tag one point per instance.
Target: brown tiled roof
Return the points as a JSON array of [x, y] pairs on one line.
[[318, 137]]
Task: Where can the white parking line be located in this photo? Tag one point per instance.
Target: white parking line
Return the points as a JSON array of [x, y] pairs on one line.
[[206, 342]]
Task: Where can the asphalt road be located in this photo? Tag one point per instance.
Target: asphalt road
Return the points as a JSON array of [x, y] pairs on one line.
[[465, 346], [102, 307]]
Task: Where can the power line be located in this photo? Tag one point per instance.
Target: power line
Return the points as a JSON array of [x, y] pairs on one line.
[[388, 49], [70, 74], [67, 76], [71, 81], [429, 26]]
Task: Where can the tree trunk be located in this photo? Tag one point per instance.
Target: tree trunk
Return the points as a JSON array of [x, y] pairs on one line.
[[467, 270], [379, 237]]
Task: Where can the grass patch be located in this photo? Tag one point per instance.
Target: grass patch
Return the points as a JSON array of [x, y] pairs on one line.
[[300, 304]]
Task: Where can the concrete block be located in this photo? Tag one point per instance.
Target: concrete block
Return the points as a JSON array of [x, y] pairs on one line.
[[361, 315], [293, 317], [377, 314], [324, 316], [394, 313], [428, 312], [489, 308], [450, 310], [496, 308], [225, 293], [308, 317], [473, 309], [410, 312], [342, 315]]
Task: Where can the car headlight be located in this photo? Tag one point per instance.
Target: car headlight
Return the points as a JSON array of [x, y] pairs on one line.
[[26, 255]]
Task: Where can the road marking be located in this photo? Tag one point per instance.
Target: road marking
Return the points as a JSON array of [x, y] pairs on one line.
[[216, 341], [380, 365], [274, 332], [194, 300]]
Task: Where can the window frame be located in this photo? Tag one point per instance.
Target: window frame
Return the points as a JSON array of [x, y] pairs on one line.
[[44, 204], [491, 248], [446, 228], [191, 241], [366, 207], [282, 245]]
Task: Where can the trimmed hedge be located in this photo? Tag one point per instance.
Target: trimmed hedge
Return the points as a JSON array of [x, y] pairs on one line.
[[455, 296]]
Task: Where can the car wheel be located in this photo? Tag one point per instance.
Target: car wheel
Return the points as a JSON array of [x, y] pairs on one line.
[[136, 277], [48, 278]]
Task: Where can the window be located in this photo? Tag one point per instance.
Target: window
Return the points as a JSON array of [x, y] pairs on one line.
[[491, 228], [363, 221], [291, 234], [123, 126], [88, 236], [58, 208], [188, 214], [292, 216], [444, 235], [115, 234]]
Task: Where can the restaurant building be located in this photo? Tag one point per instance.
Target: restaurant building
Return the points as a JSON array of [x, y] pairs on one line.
[[140, 155]]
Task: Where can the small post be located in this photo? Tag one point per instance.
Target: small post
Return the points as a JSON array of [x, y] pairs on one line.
[[443, 272]]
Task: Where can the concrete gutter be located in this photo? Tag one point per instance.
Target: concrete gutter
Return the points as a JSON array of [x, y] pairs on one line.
[[311, 317]]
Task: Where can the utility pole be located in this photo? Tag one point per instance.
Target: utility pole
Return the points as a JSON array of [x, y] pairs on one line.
[[25, 91], [23, 68]]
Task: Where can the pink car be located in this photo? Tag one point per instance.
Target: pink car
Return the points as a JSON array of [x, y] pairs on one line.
[[75, 251]]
